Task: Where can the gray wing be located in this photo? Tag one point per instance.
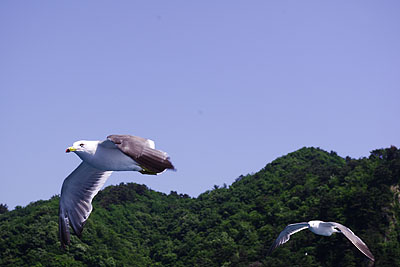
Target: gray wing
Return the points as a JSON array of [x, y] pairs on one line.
[[353, 238], [142, 151], [77, 193], [284, 236]]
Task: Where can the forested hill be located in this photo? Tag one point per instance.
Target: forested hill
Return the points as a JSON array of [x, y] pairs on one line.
[[132, 225]]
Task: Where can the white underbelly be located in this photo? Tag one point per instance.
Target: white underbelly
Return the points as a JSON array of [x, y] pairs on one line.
[[326, 231]]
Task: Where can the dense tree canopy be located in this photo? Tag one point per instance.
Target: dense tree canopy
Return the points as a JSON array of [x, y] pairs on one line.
[[3, 208], [132, 225]]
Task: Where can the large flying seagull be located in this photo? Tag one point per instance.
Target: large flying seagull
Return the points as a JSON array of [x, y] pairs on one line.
[[99, 160]]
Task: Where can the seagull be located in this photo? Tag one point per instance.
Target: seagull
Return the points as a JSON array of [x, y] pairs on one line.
[[321, 228], [99, 160]]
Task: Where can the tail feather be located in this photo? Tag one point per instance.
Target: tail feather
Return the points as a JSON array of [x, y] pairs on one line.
[[154, 160]]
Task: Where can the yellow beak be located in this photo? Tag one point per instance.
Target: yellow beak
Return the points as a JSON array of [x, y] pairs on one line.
[[70, 149]]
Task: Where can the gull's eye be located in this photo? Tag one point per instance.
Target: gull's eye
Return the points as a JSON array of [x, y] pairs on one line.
[[81, 145]]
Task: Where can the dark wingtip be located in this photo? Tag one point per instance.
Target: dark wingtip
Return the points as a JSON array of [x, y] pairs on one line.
[[271, 248], [371, 257], [78, 228], [63, 246], [64, 233], [78, 232], [169, 164], [171, 167]]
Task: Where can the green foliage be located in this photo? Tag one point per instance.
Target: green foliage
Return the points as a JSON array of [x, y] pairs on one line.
[[3, 208], [132, 225]]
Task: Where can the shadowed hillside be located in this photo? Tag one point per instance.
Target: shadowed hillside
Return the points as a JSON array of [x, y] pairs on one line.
[[132, 225]]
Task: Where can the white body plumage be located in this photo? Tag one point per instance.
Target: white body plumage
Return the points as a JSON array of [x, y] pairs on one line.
[[317, 227], [115, 160]]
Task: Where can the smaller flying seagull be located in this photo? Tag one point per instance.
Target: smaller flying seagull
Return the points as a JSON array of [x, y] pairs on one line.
[[321, 228], [99, 160]]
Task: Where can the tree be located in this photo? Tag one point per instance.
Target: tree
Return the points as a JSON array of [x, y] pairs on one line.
[[3, 208]]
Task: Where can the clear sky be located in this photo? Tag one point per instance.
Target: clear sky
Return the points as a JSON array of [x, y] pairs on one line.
[[224, 87]]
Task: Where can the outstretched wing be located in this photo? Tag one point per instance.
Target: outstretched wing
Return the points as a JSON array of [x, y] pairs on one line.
[[142, 151], [77, 193], [284, 236], [354, 239]]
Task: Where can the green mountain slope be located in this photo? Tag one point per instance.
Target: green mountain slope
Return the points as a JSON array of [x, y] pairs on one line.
[[132, 225]]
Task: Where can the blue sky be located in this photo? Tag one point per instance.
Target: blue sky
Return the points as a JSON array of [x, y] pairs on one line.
[[224, 87]]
